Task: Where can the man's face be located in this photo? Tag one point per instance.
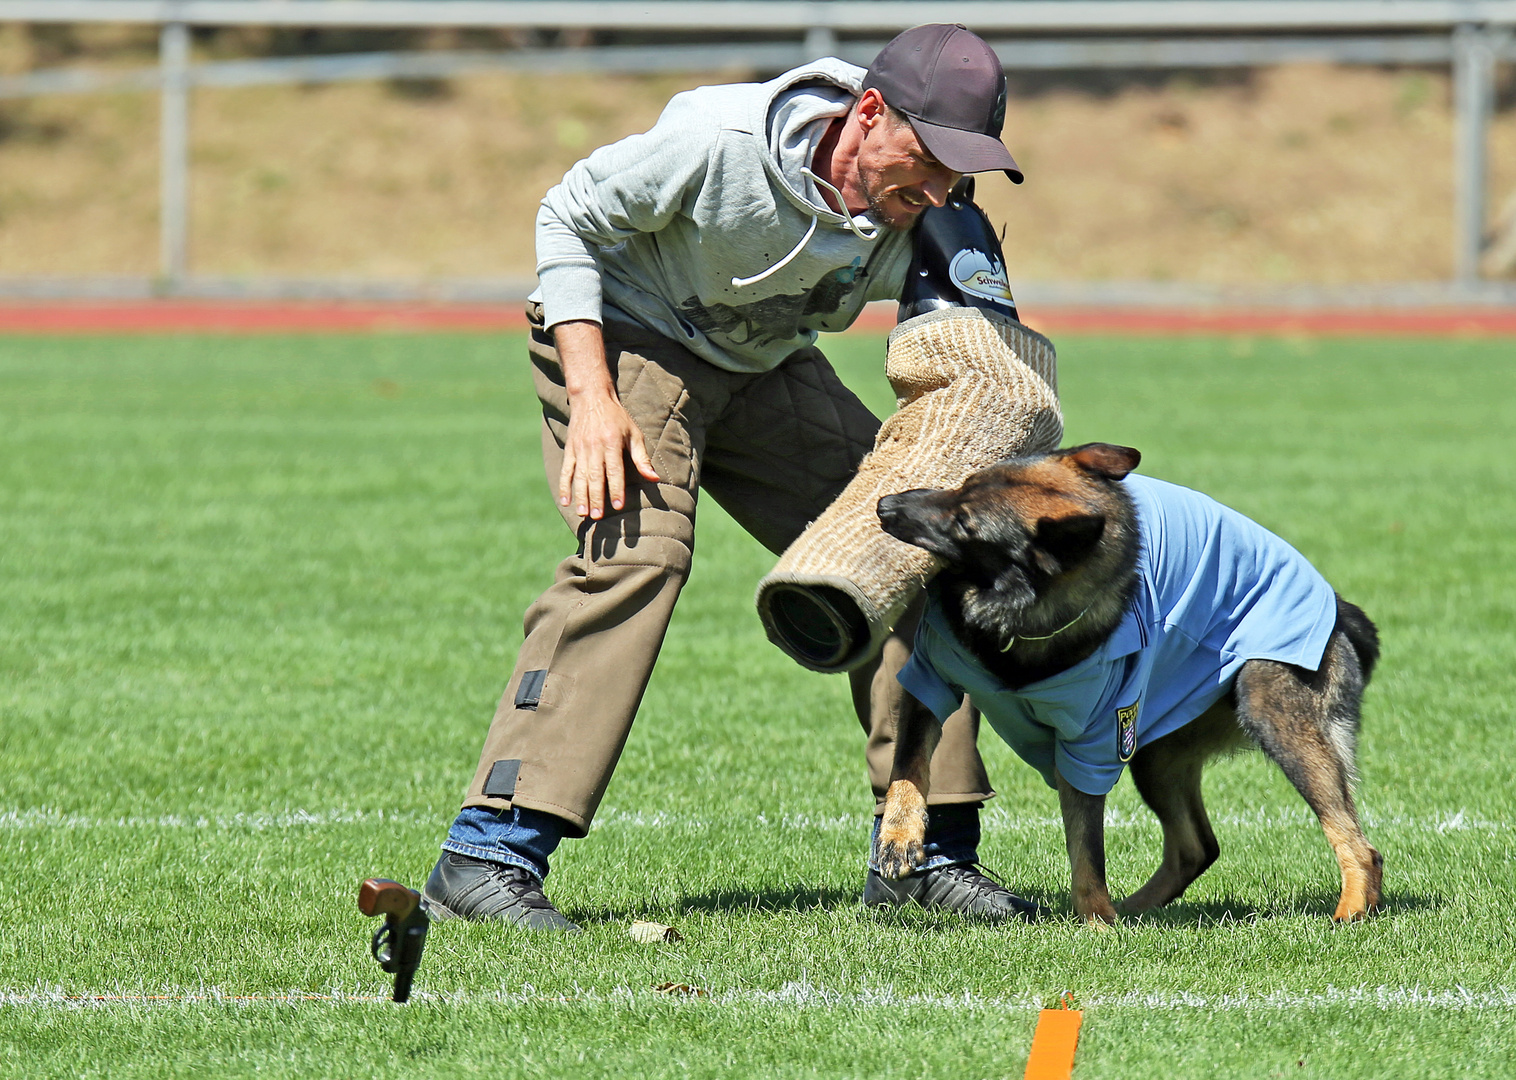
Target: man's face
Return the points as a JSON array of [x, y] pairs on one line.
[[898, 176]]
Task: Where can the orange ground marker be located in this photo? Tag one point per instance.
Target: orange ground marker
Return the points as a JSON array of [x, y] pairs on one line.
[[1053, 1044]]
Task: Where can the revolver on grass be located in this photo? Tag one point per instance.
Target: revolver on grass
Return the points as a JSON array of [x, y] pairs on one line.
[[397, 944]]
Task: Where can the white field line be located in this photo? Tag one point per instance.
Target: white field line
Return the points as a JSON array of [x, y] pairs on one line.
[[803, 995], [994, 821], [1000, 821], [49, 818]]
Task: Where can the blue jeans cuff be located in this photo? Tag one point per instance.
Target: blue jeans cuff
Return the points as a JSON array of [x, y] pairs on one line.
[[515, 837], [505, 857]]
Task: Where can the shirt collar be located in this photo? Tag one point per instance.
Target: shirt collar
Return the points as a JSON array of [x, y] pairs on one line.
[[1131, 635]]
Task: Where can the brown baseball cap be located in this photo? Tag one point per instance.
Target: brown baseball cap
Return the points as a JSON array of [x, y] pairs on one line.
[[951, 85]]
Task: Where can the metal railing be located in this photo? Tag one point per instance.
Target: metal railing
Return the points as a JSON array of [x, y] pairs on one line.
[[1470, 35], [985, 16]]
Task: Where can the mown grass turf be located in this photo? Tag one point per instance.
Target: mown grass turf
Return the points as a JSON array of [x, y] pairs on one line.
[[258, 597]]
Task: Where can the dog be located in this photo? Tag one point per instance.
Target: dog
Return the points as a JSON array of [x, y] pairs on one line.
[[1102, 622]]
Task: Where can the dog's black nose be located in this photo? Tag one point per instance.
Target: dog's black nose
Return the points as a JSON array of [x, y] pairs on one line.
[[900, 513], [890, 510]]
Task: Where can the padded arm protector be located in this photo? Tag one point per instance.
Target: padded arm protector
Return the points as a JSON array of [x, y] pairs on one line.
[[973, 386]]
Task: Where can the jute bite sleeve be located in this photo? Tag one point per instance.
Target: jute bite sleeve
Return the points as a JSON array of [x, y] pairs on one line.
[[972, 387]]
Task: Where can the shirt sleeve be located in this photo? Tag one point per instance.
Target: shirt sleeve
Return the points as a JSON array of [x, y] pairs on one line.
[[1087, 766], [636, 185], [922, 682]]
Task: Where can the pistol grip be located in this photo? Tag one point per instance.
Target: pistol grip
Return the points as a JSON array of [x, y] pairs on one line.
[[381, 896]]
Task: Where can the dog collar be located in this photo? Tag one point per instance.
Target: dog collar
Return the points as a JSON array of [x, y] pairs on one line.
[[1043, 637]]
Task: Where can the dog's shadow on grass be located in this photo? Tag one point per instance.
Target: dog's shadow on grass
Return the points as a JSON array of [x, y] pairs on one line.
[[1317, 903]]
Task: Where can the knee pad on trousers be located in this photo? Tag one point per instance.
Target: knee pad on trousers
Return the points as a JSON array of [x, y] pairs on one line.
[[649, 536]]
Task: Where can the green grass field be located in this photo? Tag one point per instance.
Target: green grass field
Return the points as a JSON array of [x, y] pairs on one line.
[[258, 597]]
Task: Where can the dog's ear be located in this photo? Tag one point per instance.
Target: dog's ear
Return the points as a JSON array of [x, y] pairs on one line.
[[1060, 541], [1104, 459]]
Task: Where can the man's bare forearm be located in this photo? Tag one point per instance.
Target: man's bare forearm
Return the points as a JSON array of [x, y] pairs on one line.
[[581, 351], [601, 434]]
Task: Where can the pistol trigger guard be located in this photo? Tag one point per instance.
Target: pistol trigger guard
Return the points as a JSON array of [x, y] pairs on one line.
[[382, 947]]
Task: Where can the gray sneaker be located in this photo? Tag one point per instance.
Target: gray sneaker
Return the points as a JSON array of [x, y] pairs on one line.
[[462, 887], [961, 887]]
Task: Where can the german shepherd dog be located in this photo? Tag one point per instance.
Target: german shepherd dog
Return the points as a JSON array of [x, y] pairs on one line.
[[1049, 542]]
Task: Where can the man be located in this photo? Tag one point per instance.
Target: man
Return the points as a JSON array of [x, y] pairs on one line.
[[685, 273]]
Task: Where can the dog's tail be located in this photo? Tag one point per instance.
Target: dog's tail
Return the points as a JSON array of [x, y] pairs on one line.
[[1361, 634]]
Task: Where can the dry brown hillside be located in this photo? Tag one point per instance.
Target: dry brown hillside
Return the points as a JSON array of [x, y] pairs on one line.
[[1289, 174]]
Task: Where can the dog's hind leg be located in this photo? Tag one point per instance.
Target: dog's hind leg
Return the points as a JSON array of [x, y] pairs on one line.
[[1084, 833], [1167, 774], [1307, 721]]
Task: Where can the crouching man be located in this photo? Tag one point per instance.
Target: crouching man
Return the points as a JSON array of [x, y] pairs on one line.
[[684, 276]]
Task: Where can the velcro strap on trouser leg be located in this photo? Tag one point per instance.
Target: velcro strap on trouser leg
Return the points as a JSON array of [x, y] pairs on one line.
[[973, 388]]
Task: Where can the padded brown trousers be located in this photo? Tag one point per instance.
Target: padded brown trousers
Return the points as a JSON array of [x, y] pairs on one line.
[[773, 449]]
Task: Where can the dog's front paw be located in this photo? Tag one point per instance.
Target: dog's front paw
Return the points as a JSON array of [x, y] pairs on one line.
[[902, 831], [1093, 906], [898, 856], [1106, 919]]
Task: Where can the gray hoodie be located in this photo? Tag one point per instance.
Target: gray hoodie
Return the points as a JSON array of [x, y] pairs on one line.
[[710, 229]]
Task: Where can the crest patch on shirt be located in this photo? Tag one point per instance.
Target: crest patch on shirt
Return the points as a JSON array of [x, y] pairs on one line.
[[1126, 730]]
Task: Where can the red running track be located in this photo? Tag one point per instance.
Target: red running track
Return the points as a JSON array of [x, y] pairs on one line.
[[250, 317]]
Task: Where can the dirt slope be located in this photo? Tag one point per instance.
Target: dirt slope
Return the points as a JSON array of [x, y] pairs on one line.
[[1290, 174]]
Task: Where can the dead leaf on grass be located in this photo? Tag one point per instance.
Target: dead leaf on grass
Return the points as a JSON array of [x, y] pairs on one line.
[[679, 989], [652, 933]]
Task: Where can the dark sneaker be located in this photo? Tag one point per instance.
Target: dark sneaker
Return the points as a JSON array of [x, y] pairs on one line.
[[462, 887], [962, 888]]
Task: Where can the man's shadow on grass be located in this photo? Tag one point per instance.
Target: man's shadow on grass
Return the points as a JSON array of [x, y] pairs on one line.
[[799, 897], [1181, 914], [785, 898]]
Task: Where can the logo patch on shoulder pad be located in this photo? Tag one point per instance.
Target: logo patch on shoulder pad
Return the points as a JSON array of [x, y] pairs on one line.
[[1126, 730], [981, 274]]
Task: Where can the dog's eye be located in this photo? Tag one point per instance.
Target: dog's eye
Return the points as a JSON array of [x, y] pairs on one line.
[[963, 522]]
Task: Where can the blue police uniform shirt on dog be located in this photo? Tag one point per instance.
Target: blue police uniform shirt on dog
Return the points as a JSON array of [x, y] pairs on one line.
[[1215, 589]]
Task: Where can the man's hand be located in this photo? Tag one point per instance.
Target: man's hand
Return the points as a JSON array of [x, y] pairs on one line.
[[601, 433]]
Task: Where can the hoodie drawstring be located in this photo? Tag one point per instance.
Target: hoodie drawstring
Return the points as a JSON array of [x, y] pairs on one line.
[[867, 237], [782, 263]]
